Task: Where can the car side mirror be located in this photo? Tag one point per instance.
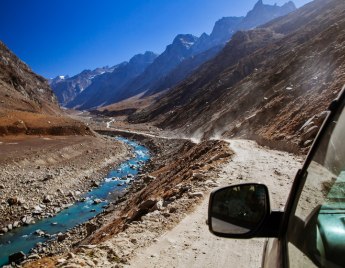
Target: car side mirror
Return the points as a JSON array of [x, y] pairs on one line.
[[238, 211]]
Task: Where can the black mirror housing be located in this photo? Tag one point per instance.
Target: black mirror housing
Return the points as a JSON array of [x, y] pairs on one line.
[[241, 211]]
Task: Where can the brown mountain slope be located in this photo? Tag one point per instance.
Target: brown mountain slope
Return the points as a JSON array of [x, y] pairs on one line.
[[27, 104], [266, 83]]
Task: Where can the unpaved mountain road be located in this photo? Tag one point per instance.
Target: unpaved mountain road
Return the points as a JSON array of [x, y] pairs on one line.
[[190, 244]]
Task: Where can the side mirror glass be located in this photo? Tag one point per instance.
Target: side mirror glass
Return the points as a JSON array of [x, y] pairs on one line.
[[238, 210]]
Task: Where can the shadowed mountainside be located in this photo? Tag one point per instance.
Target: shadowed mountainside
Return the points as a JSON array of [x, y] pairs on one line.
[[67, 88], [105, 86], [188, 52], [27, 104], [271, 83]]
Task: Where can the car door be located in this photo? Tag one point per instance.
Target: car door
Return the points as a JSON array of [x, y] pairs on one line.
[[314, 231]]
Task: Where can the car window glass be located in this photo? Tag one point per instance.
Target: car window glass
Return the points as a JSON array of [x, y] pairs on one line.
[[316, 232]]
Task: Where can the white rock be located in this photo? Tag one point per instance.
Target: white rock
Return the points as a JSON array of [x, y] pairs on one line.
[[196, 194]]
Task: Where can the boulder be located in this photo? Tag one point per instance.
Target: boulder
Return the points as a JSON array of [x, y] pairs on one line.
[[26, 220], [39, 232], [47, 199], [77, 193], [61, 261], [34, 257], [48, 177], [70, 255], [211, 183], [12, 201], [20, 202], [148, 178], [158, 206], [37, 210], [172, 210], [198, 176], [90, 228], [71, 194], [97, 201], [95, 184], [17, 257], [61, 237], [136, 216], [196, 194], [56, 210], [60, 191], [147, 204]]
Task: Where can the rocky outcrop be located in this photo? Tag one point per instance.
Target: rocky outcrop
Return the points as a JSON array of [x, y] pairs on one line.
[[174, 178], [226, 27], [22, 89], [262, 13], [27, 103]]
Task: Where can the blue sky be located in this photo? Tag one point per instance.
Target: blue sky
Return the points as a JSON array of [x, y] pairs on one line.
[[57, 37]]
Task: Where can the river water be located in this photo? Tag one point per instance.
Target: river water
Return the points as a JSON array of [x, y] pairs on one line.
[[24, 238]]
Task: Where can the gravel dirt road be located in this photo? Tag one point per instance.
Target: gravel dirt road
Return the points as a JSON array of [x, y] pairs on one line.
[[190, 244]]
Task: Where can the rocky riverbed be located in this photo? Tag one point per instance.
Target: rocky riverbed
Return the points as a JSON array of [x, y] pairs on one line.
[[40, 176], [169, 233], [174, 182]]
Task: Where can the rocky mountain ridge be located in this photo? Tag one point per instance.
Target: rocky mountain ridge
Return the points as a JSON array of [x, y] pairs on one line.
[[21, 88], [202, 49], [181, 58], [266, 83], [227, 26]]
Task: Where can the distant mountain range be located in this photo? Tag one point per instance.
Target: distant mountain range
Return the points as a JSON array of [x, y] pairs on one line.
[[156, 74], [105, 86], [67, 88]]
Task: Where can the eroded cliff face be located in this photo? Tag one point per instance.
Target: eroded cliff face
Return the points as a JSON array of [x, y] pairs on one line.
[[266, 84], [22, 89], [27, 104]]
